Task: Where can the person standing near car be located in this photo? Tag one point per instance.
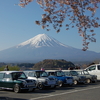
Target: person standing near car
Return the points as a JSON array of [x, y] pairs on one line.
[[6, 68]]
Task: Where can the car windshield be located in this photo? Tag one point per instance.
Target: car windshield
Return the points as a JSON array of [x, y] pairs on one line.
[[73, 73], [79, 72], [41, 74], [86, 72], [67, 73], [18, 75], [60, 73]]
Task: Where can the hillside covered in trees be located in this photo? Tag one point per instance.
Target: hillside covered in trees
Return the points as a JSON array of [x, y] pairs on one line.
[[50, 64]]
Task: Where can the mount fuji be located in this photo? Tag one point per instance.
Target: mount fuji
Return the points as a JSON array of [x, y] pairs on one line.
[[43, 47]]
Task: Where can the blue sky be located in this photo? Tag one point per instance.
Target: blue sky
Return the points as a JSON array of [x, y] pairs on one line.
[[18, 25]]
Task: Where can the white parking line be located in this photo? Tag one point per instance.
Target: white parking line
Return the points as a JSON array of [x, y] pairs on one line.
[[64, 93]]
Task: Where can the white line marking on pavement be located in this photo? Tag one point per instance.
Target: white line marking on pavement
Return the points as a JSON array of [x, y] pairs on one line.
[[64, 93]]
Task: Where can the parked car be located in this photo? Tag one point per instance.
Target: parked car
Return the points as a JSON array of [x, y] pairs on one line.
[[89, 78], [41, 78], [94, 70], [16, 81], [62, 79], [76, 77]]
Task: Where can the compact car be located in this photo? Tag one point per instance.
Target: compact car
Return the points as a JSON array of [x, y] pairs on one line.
[[62, 79], [76, 77], [16, 81], [41, 78], [89, 78]]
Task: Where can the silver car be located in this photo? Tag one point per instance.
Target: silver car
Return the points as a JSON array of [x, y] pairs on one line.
[[41, 78], [89, 78], [76, 77]]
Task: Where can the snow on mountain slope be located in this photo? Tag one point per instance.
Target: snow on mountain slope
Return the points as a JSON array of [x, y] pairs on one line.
[[40, 41], [43, 47]]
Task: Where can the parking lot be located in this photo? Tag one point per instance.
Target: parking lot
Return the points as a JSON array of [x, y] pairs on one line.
[[78, 92]]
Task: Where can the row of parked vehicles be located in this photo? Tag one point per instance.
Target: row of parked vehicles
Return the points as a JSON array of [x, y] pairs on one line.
[[29, 80]]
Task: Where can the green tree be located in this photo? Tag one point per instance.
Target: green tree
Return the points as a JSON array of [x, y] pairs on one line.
[[11, 68], [53, 64], [81, 14]]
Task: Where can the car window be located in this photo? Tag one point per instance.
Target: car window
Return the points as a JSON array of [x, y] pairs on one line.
[[41, 74], [1, 75], [79, 72], [51, 74], [7, 75], [26, 73], [60, 73], [85, 72], [18, 75], [31, 74], [92, 68], [66, 73], [73, 73], [98, 67]]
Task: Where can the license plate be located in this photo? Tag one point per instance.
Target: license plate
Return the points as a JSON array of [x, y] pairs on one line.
[[52, 86], [51, 82], [30, 85], [69, 81]]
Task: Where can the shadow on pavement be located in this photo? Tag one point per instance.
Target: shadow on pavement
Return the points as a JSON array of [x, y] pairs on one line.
[[7, 98]]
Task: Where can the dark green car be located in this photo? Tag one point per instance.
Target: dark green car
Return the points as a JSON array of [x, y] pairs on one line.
[[16, 81]]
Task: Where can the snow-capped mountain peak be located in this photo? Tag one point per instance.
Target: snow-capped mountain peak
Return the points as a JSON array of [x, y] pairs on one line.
[[40, 41], [43, 47]]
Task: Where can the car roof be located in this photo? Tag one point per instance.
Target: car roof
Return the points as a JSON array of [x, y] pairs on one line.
[[32, 70], [9, 71]]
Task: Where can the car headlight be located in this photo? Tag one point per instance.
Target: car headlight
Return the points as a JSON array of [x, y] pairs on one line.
[[24, 83], [46, 81]]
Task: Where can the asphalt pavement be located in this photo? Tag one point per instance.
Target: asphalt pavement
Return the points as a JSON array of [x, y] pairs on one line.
[[79, 92]]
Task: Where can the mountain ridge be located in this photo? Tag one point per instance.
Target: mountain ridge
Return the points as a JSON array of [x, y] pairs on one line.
[[43, 47]]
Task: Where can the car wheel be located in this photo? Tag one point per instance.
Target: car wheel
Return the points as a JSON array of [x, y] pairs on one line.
[[60, 83], [40, 86], [75, 82], [17, 88], [88, 81]]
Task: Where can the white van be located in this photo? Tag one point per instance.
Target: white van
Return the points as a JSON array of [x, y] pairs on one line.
[[94, 70]]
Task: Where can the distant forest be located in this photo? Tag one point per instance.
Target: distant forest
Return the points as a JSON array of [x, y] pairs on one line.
[[49, 64]]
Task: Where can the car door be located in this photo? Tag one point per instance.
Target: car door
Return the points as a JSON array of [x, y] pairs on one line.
[[92, 70], [1, 79], [32, 75], [98, 72], [7, 80]]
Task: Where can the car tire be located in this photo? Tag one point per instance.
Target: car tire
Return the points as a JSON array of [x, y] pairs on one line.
[[60, 83], [75, 82], [17, 88], [88, 81], [40, 86]]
